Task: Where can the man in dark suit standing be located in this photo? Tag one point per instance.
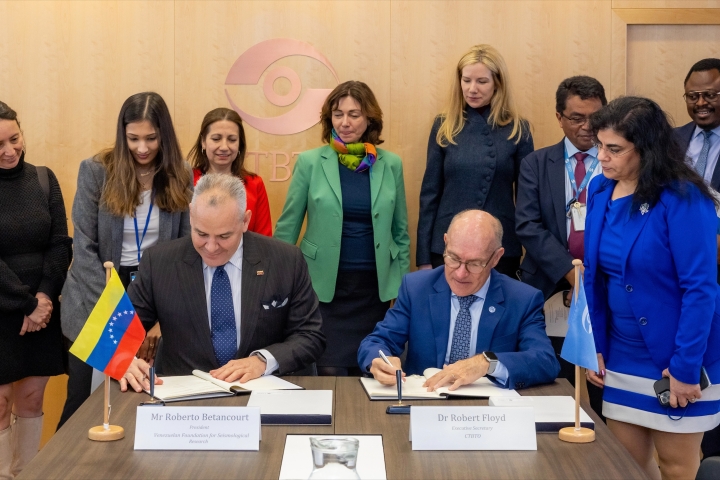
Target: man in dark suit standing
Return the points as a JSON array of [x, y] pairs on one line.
[[550, 210], [231, 302], [701, 141]]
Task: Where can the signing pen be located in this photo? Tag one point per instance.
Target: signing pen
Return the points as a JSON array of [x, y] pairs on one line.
[[387, 360]]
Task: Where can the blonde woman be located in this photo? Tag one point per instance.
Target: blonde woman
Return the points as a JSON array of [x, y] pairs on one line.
[[473, 158]]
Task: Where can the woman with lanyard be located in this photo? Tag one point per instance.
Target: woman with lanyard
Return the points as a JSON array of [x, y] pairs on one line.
[[128, 198], [356, 243], [473, 158]]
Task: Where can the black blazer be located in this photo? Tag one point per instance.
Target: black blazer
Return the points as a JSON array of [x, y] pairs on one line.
[[684, 135], [479, 172], [170, 288], [540, 221]]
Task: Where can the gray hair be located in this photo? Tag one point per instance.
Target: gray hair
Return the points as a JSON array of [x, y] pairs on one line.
[[496, 225], [219, 186]]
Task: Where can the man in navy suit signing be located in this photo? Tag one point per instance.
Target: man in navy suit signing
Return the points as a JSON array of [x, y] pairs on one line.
[[465, 318]]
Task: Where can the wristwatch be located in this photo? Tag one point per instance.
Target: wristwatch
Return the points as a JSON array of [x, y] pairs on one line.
[[260, 356], [492, 360]]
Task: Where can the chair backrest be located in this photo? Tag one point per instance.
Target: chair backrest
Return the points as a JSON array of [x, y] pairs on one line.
[[309, 371], [709, 469]]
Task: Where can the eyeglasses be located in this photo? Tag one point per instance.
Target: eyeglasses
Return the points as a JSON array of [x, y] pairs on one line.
[[577, 121], [707, 95], [612, 154], [474, 267]]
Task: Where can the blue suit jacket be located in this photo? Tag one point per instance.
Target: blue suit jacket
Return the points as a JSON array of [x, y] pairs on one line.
[[669, 268], [515, 330]]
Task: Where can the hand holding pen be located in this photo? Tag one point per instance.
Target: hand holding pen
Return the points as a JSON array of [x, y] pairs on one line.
[[384, 369]]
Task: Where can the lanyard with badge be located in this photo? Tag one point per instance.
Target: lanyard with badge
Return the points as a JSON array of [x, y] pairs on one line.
[[574, 209], [138, 238]]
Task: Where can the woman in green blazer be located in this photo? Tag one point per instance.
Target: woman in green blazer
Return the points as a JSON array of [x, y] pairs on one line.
[[356, 243]]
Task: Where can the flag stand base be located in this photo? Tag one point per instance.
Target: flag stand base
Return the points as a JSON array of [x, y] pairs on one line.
[[580, 435], [100, 434]]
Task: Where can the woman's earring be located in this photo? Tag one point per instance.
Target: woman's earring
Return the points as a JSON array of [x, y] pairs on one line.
[[203, 152]]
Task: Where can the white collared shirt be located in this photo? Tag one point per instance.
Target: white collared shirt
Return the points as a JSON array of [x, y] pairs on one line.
[[695, 146], [571, 150], [234, 272], [500, 374]]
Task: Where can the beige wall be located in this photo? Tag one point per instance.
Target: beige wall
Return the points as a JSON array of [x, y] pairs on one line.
[[67, 65]]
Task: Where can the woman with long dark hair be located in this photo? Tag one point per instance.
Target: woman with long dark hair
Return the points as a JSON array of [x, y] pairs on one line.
[[129, 197], [650, 278], [34, 257], [220, 148]]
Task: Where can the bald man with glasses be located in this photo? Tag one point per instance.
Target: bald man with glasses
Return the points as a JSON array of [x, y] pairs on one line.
[[465, 318]]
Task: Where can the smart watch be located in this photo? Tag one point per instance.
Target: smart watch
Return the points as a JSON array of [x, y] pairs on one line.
[[492, 360]]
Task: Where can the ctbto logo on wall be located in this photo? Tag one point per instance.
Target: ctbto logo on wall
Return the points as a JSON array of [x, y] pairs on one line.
[[251, 65]]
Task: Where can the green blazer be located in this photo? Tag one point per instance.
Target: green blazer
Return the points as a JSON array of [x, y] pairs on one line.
[[315, 190]]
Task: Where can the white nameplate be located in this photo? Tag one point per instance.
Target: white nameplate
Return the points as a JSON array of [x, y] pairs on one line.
[[197, 428], [472, 428]]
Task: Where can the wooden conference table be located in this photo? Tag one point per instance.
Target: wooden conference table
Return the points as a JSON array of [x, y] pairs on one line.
[[70, 454]]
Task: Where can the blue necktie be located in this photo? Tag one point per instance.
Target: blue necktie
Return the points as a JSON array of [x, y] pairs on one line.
[[460, 348], [702, 159], [222, 317]]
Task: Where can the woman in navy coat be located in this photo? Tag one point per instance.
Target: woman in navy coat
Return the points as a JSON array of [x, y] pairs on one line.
[[650, 279], [473, 160]]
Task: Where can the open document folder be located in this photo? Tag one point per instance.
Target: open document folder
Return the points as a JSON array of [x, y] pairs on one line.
[[412, 389], [203, 385]]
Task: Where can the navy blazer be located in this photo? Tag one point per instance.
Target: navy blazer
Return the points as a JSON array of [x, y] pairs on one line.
[[669, 268], [540, 221], [480, 171], [514, 329], [684, 135]]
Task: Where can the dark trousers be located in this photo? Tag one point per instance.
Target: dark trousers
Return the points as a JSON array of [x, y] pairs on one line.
[[507, 265]]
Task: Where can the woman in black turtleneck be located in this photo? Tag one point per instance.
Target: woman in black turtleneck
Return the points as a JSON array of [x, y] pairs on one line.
[[474, 154], [34, 259]]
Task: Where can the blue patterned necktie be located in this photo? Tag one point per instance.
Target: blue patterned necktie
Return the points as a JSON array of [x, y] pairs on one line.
[[460, 348], [222, 317], [702, 159]]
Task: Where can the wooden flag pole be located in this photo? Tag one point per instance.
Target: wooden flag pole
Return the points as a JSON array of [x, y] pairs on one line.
[[577, 434], [106, 432]]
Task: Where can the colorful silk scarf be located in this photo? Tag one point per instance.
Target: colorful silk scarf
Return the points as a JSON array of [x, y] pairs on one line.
[[358, 157]]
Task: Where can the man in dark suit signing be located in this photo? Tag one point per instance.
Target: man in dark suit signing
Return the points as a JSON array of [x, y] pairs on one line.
[[464, 317], [551, 188], [700, 139], [234, 303]]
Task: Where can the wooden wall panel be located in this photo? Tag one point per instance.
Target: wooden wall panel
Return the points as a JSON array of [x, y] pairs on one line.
[[666, 4], [659, 57], [69, 65], [540, 42], [353, 35]]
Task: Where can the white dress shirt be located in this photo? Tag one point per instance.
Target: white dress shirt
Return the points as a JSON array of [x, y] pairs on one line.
[[234, 272], [695, 146], [571, 150], [501, 373]]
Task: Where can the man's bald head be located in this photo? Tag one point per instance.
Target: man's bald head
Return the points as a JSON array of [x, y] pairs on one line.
[[473, 238], [477, 224]]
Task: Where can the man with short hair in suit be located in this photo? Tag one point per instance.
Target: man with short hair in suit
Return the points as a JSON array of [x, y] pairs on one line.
[[465, 318], [234, 303], [701, 141], [551, 187]]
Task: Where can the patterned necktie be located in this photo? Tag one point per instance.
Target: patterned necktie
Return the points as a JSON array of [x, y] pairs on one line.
[[222, 317], [460, 348], [701, 164], [576, 240]]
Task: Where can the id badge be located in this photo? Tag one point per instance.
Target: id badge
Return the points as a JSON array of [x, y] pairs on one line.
[[578, 212]]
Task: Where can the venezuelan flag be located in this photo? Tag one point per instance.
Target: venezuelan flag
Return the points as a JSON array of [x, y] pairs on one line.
[[112, 333]]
